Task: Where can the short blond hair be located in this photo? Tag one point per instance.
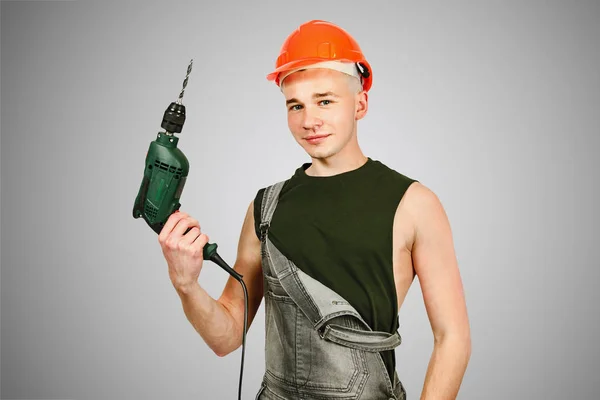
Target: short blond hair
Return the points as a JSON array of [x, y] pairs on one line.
[[349, 69]]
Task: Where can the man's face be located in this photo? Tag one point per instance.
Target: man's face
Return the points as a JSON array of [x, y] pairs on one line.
[[323, 106]]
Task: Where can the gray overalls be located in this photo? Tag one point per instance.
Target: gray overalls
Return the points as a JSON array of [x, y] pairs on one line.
[[317, 346]]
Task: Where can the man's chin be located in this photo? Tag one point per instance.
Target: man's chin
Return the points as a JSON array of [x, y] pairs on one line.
[[320, 154]]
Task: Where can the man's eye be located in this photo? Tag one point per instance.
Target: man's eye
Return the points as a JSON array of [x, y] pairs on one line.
[[295, 107], [325, 102]]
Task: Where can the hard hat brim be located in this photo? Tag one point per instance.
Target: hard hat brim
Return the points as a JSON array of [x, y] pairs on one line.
[[273, 76], [297, 64]]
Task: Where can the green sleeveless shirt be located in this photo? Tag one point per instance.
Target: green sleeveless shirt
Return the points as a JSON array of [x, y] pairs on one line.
[[338, 230]]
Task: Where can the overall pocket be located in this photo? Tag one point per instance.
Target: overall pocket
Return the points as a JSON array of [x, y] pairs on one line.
[[297, 355], [274, 286]]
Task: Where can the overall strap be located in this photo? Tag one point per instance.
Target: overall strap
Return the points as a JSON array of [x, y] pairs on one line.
[[269, 204]]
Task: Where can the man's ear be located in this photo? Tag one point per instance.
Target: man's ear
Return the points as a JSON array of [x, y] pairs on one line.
[[362, 105]]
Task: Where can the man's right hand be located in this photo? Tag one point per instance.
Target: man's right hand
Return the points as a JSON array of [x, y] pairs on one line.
[[183, 252], [219, 321]]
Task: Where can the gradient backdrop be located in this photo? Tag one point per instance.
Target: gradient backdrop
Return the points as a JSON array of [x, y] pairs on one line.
[[493, 105]]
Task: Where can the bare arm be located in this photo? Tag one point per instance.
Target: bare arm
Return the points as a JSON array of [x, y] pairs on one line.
[[220, 322], [436, 266]]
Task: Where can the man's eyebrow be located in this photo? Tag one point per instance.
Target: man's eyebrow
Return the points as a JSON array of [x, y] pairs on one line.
[[315, 96]]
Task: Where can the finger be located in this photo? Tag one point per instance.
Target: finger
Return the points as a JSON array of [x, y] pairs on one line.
[[170, 224], [183, 224], [192, 235], [201, 241]]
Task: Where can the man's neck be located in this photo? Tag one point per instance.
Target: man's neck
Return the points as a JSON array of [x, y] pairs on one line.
[[336, 165]]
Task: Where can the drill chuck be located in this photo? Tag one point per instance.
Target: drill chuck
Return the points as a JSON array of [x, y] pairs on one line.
[[174, 118]]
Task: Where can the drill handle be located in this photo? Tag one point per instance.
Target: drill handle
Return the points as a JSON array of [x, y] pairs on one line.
[[210, 254]]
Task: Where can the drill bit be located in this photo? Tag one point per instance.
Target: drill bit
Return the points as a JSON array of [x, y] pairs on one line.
[[185, 81]]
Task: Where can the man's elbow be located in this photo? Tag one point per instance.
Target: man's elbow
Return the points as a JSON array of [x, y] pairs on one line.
[[459, 340], [225, 351], [221, 353], [232, 339]]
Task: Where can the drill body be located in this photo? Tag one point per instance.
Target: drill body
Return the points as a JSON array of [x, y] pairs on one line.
[[166, 170]]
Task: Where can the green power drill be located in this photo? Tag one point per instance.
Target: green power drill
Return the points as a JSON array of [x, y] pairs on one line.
[[165, 173]]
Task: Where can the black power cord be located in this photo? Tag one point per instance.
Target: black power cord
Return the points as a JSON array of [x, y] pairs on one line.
[[210, 253], [243, 336]]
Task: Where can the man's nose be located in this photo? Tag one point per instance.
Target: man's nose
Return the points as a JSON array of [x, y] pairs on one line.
[[311, 119]]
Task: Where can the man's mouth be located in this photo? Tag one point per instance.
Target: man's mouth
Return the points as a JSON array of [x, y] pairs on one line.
[[315, 139]]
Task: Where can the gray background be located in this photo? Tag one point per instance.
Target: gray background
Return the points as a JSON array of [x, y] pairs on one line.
[[493, 105]]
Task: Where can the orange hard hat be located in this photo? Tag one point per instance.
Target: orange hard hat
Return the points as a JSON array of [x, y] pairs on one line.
[[317, 41]]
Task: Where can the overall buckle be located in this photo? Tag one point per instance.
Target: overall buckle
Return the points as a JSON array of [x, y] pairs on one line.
[[264, 227]]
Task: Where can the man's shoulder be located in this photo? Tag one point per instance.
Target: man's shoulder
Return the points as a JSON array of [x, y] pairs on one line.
[[419, 201], [280, 184], [392, 172], [275, 184], [392, 182], [282, 178]]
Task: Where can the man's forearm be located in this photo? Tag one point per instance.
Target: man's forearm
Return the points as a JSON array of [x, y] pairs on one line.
[[210, 318], [446, 368]]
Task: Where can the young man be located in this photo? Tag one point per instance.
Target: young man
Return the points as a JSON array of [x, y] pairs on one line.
[[333, 250]]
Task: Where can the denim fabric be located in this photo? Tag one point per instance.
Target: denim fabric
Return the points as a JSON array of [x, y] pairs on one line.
[[317, 346]]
